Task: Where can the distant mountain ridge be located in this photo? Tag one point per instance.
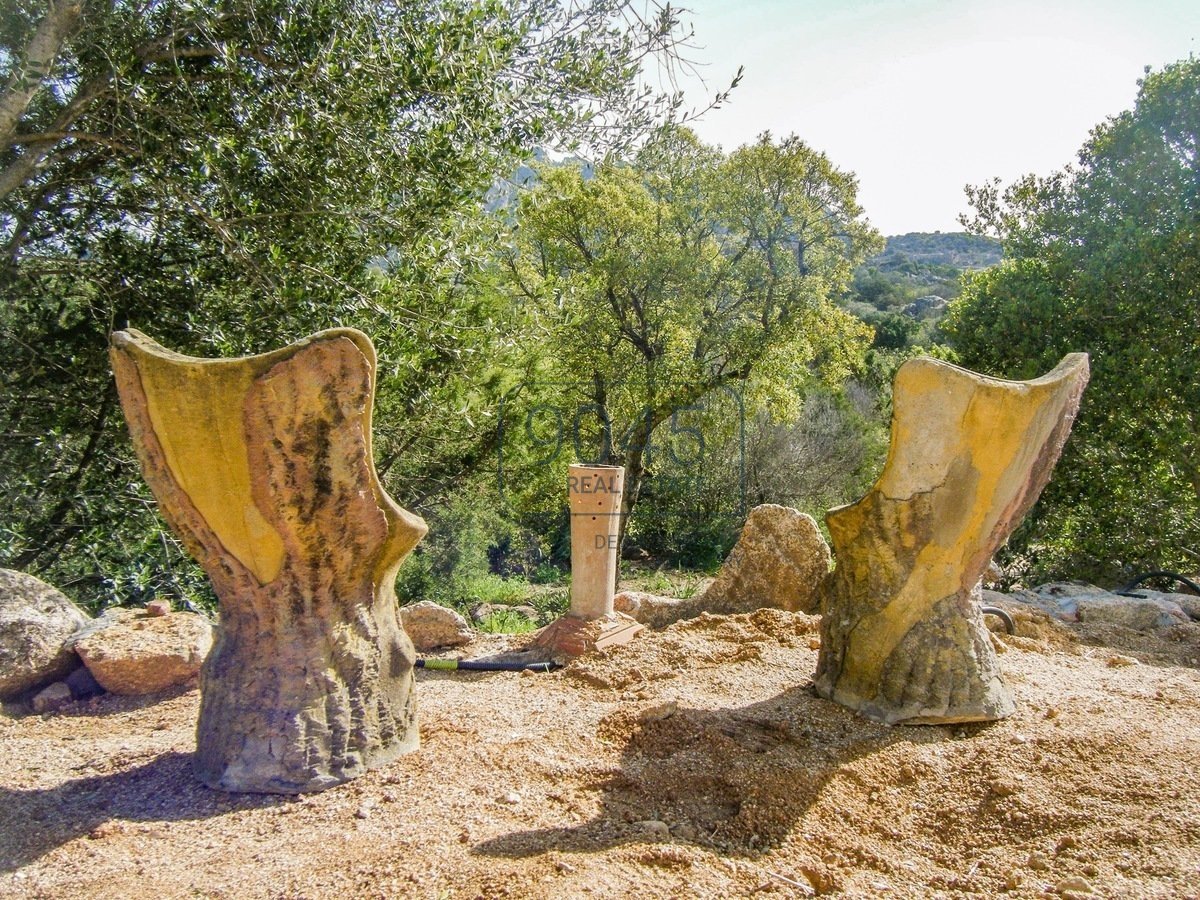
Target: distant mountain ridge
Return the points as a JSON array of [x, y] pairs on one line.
[[903, 291], [956, 249]]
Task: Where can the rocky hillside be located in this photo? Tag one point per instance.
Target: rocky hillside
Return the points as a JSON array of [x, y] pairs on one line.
[[903, 291], [959, 250]]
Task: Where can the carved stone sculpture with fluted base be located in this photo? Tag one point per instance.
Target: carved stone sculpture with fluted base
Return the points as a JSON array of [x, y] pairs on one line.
[[263, 467], [902, 638]]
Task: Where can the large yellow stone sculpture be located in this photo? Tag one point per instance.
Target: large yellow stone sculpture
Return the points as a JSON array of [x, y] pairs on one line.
[[263, 467], [902, 638]]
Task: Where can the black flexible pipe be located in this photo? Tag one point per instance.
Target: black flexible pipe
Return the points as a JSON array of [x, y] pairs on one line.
[[1009, 625], [1173, 576], [472, 665]]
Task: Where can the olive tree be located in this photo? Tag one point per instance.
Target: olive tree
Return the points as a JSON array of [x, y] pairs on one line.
[[228, 176], [653, 285], [1104, 256]]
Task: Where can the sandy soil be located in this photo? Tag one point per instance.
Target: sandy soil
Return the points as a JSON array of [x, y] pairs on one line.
[[695, 762]]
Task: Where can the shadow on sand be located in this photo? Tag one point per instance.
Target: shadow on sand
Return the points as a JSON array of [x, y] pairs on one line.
[[161, 790], [734, 779]]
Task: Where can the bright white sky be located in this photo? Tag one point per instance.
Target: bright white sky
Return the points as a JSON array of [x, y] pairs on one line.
[[921, 97]]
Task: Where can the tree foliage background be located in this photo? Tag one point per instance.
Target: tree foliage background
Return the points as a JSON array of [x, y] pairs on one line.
[[656, 285], [229, 176], [1104, 256]]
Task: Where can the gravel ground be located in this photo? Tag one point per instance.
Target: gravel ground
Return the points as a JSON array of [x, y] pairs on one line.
[[694, 762]]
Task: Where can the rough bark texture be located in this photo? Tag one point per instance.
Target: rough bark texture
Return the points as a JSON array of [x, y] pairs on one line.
[[779, 562], [29, 73], [902, 638], [263, 467]]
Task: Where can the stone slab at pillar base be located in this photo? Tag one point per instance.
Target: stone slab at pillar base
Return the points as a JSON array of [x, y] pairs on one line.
[[571, 636]]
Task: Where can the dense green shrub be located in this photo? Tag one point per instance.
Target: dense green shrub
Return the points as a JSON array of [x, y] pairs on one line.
[[1104, 257]]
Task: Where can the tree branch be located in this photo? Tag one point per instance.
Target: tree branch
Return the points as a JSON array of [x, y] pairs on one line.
[[54, 137], [23, 167], [43, 48]]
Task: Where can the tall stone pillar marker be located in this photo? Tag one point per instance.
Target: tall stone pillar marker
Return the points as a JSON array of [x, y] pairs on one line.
[[262, 466], [594, 497], [902, 638]]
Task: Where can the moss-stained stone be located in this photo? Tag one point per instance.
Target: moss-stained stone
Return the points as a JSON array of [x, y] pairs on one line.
[[902, 636], [779, 562]]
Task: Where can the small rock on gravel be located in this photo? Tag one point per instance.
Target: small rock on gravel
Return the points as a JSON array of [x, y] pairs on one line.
[[50, 698], [1118, 661], [83, 684], [658, 711], [431, 626], [140, 654], [1039, 862], [1076, 884], [684, 832], [654, 828]]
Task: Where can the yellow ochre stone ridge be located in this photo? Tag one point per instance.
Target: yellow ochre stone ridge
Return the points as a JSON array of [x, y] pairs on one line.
[[192, 406], [204, 443]]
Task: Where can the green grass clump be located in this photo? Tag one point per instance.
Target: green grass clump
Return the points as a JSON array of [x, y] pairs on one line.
[[506, 621]]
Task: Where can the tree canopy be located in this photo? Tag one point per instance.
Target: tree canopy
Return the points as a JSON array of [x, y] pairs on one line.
[[228, 176], [1104, 256], [654, 284]]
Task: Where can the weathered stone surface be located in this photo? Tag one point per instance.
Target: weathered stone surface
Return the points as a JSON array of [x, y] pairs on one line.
[[1077, 601], [83, 684], [594, 496], [263, 467], [52, 697], [1189, 603], [114, 615], [1030, 622], [35, 622], [779, 562], [1173, 609], [902, 638], [654, 610], [1059, 598], [143, 654], [570, 636], [431, 626]]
